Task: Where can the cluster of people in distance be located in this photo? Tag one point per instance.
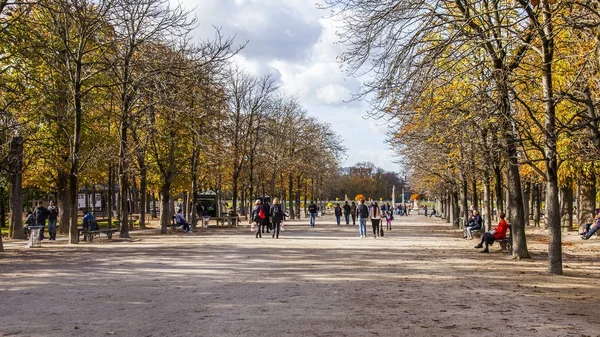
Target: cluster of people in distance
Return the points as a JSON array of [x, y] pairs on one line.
[[350, 211], [38, 218], [376, 214], [268, 217]]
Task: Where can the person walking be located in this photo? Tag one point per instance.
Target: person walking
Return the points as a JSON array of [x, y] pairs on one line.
[[362, 212], [338, 213], [257, 211], [312, 211], [52, 216], [266, 210], [375, 215], [40, 214], [353, 213], [389, 216], [347, 212], [277, 216]]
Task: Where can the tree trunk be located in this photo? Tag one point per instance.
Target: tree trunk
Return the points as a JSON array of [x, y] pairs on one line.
[[15, 160], [93, 198], [143, 196], [291, 192], [448, 213], [165, 213], [123, 170], [86, 198], [455, 210], [475, 199], [298, 195], [465, 207], [499, 189], [526, 197], [587, 201], [487, 201], [537, 211], [64, 206], [109, 198], [550, 139], [566, 206]]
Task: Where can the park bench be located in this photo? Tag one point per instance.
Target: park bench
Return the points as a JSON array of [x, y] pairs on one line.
[[88, 235], [507, 242], [173, 225]]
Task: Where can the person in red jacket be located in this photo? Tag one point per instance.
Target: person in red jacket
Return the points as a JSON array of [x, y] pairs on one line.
[[497, 233]]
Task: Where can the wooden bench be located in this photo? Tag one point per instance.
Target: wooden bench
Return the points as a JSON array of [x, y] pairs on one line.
[[88, 235], [507, 243]]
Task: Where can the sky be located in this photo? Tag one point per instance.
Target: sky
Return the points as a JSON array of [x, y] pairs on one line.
[[296, 43]]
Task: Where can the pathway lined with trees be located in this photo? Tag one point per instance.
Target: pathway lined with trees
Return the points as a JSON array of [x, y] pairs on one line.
[[115, 93], [498, 97], [421, 279]]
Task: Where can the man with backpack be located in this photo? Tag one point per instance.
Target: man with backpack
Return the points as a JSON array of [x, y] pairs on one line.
[[312, 211], [362, 213], [277, 216]]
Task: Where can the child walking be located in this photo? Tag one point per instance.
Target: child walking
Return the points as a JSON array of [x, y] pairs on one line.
[[389, 216]]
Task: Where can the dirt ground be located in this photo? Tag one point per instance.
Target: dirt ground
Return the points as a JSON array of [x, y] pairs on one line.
[[421, 279]]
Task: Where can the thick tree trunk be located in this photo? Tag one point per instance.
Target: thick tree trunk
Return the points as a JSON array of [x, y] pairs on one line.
[[291, 193], [123, 179], [566, 206], [552, 205], [15, 160]]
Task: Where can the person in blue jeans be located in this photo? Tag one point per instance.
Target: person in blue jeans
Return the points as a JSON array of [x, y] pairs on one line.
[[180, 219], [347, 212], [362, 212], [338, 214], [593, 230], [312, 211]]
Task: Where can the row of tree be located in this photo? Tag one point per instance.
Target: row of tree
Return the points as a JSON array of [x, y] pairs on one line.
[[114, 92], [494, 94], [367, 179]]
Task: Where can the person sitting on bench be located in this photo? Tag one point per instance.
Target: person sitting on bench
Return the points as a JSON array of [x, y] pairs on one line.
[[89, 222], [180, 219], [433, 213], [29, 221], [593, 229], [498, 233], [473, 225]]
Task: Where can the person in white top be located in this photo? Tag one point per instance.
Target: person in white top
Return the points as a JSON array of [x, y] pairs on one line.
[[375, 215]]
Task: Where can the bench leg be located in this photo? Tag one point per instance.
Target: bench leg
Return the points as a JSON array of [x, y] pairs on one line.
[[109, 235], [91, 237]]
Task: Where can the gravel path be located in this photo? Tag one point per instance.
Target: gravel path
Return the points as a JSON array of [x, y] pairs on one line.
[[421, 279]]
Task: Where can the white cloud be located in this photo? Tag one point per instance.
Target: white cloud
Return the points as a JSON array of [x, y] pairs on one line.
[[292, 40]]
